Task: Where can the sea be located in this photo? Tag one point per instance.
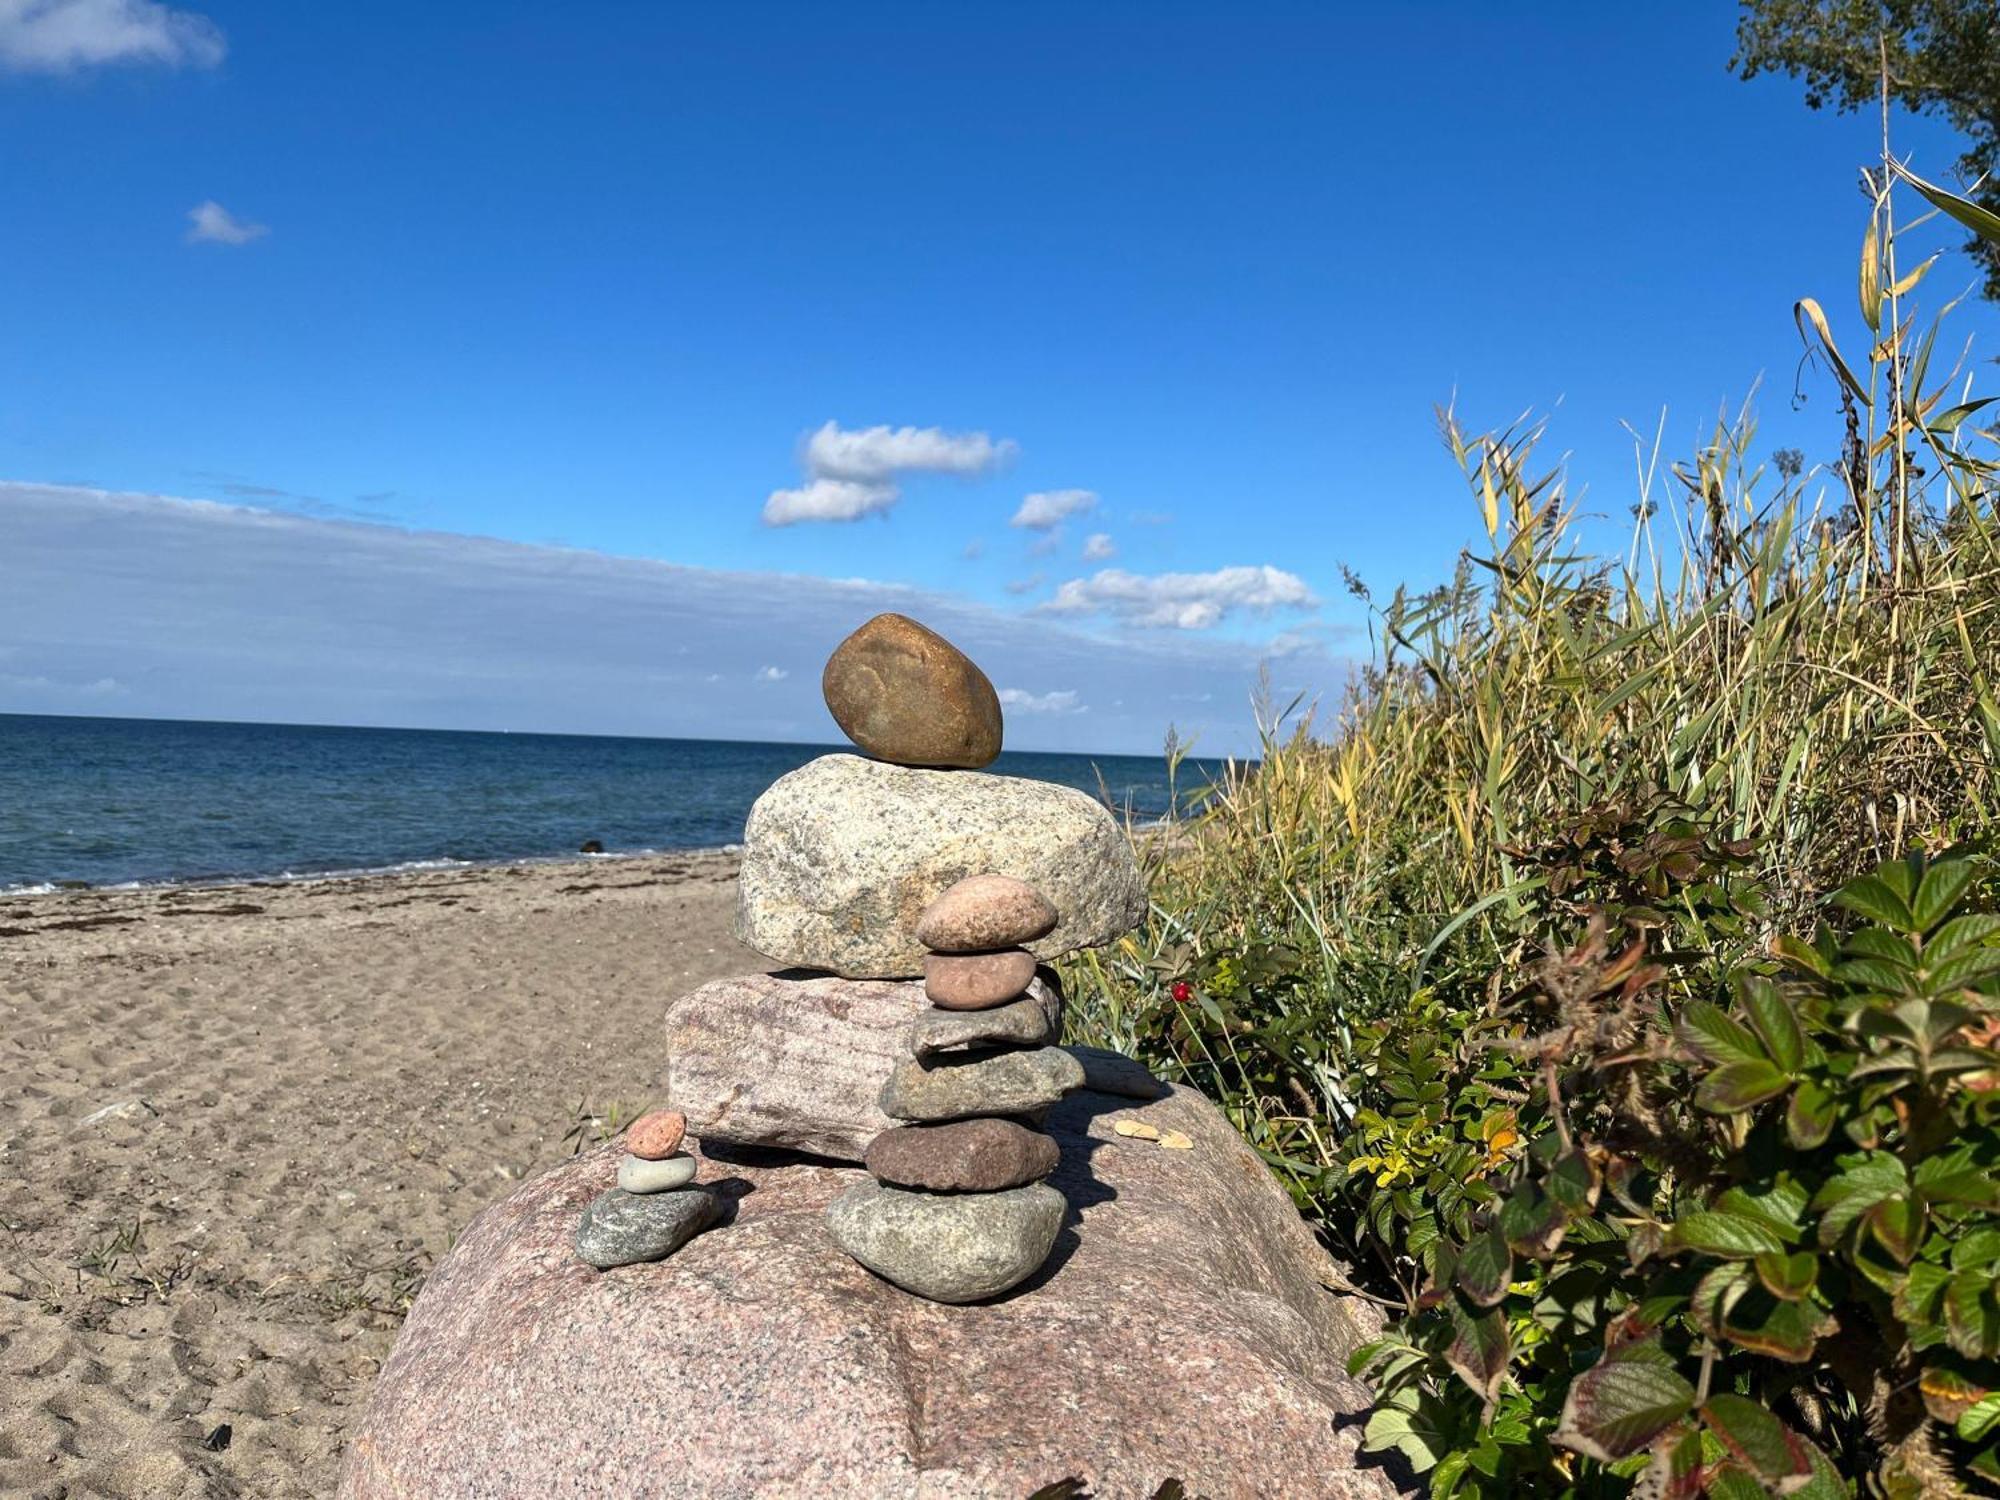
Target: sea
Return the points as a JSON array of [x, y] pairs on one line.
[[124, 802]]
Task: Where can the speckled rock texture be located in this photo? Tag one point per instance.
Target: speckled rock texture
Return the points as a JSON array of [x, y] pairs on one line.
[[949, 1247], [964, 1156], [904, 693], [794, 1060], [985, 911], [977, 981], [842, 856], [1178, 1330], [620, 1227], [1023, 1023], [984, 1081]]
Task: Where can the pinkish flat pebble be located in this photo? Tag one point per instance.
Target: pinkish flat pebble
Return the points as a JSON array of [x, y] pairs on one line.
[[656, 1136]]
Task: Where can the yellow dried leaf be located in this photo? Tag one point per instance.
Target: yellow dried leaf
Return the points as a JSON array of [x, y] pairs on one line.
[[1137, 1129], [1173, 1140]]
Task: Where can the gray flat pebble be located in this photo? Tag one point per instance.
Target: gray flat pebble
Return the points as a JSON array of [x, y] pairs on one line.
[[636, 1174], [622, 1229], [985, 1082], [1024, 1022], [959, 1247]]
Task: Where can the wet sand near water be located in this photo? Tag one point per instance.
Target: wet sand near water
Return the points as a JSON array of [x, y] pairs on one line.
[[238, 1124]]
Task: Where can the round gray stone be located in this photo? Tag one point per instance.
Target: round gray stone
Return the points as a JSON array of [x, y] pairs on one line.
[[622, 1229], [986, 1081], [636, 1174], [963, 1247]]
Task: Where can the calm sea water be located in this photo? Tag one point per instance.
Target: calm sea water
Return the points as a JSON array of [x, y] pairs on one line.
[[112, 801]]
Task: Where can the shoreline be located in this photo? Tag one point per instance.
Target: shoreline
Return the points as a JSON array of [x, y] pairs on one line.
[[263, 880]]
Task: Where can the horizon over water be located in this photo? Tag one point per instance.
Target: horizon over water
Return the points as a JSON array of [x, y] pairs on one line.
[[110, 801]]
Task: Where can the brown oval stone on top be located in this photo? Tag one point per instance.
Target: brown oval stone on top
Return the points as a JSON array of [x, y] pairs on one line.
[[905, 694], [986, 911], [656, 1136], [973, 981], [968, 1156]]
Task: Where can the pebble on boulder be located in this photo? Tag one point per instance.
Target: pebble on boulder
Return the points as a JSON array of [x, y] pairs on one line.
[[952, 1248], [1022, 1023], [905, 694], [636, 1174], [986, 911], [976, 981], [983, 1082], [656, 1136], [985, 1155], [622, 1229]]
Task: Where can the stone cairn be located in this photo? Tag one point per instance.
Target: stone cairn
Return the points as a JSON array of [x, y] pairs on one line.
[[958, 1210], [859, 875], [655, 1209]]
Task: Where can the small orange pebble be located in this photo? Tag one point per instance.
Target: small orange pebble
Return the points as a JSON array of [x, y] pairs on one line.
[[656, 1136]]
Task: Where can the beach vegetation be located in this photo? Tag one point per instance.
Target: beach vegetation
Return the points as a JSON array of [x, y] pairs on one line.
[[1614, 977]]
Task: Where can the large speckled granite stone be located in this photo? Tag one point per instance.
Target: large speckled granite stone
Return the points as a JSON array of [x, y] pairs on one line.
[[796, 1061], [842, 856], [1179, 1329]]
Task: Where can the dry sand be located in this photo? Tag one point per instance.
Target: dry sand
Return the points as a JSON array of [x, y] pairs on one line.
[[239, 1124]]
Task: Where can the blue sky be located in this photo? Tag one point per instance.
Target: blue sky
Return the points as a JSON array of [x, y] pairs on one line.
[[594, 276]]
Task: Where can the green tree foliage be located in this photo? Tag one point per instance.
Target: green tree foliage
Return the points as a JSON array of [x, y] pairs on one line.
[[1943, 57]]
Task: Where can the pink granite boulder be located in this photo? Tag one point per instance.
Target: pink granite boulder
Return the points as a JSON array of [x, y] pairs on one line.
[[1181, 1329]]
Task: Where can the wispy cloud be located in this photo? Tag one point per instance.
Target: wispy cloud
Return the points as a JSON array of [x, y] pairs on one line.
[[772, 674], [974, 549], [1184, 601], [852, 472], [1045, 510], [202, 609], [209, 223], [60, 36], [1098, 547], [1023, 585], [1018, 700]]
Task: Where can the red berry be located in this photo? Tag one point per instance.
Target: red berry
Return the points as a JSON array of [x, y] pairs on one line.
[[1182, 991]]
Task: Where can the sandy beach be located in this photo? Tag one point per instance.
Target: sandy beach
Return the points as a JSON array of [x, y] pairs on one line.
[[238, 1124]]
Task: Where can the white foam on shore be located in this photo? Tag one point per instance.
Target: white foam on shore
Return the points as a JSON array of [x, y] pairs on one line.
[[361, 872]]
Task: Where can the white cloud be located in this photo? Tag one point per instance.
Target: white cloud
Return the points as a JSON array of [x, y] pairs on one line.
[[1023, 585], [209, 223], [828, 500], [873, 454], [851, 472], [205, 610], [1184, 601], [1021, 701], [1098, 547], [56, 36], [772, 674], [1047, 509]]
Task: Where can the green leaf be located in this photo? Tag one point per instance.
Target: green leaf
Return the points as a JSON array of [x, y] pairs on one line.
[[1788, 1277], [1875, 942], [1478, 1349], [1939, 891], [1801, 955], [1532, 1222], [1418, 1433], [1485, 1267], [1572, 1182], [1898, 1226], [1873, 974], [1865, 1181], [1734, 1236], [1810, 1115], [1981, 221], [1971, 1315], [1773, 1019], [1756, 1439], [1980, 1419], [1719, 1037], [1961, 933], [1872, 897], [1622, 1403], [1738, 1086], [1782, 1330], [1965, 970]]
